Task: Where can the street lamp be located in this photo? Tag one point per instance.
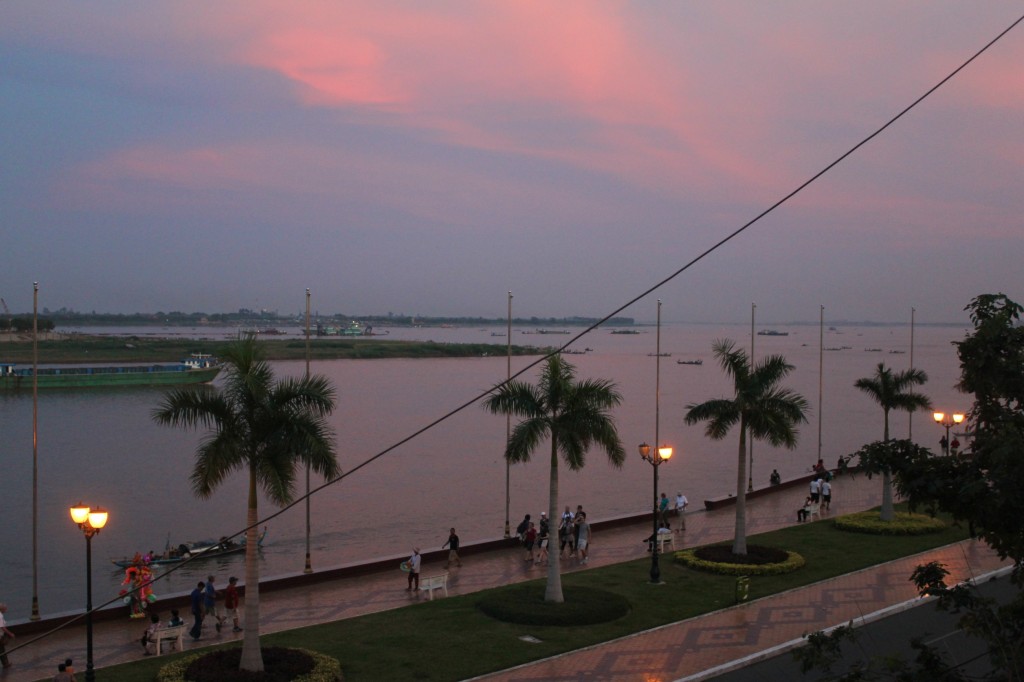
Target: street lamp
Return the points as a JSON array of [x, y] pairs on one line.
[[655, 459], [947, 420], [91, 521]]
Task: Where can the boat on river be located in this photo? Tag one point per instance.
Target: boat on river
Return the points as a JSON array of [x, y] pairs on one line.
[[207, 549], [772, 332], [690, 362], [199, 368]]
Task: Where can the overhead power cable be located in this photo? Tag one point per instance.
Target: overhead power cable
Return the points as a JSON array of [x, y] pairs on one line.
[[581, 334]]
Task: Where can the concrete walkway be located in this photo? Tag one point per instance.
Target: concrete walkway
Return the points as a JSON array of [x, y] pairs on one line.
[[681, 650]]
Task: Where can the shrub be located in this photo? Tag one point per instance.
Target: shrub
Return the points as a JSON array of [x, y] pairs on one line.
[[758, 560], [524, 604], [904, 523]]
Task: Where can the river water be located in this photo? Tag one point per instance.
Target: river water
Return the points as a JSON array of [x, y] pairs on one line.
[[101, 446]]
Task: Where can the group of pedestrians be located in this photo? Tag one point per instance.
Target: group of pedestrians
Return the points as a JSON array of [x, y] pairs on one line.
[[820, 496], [204, 604]]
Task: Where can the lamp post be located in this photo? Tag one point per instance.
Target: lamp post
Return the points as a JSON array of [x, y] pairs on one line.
[[91, 521], [655, 459], [947, 420]]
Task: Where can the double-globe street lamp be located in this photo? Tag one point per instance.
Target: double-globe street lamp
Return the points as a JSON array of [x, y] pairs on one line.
[[655, 459], [91, 521], [947, 420]]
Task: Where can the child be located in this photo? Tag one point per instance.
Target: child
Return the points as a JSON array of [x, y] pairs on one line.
[[149, 636], [175, 619]]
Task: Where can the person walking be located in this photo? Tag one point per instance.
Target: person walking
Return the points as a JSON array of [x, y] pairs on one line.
[[663, 506], [543, 537], [681, 504], [197, 610], [210, 603], [815, 488], [523, 526], [826, 494], [530, 540], [414, 570], [231, 603], [5, 635], [453, 549], [583, 537]]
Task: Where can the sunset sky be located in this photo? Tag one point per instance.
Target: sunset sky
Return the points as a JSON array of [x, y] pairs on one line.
[[427, 157]]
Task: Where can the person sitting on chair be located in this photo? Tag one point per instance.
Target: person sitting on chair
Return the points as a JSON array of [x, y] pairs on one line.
[[804, 512]]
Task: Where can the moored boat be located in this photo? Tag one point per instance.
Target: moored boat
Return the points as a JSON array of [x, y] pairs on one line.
[[772, 332], [199, 550], [197, 369], [689, 362]]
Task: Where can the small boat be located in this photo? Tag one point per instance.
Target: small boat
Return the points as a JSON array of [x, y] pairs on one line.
[[200, 368], [206, 549], [570, 351], [552, 331], [625, 331], [690, 362], [659, 355], [772, 332]]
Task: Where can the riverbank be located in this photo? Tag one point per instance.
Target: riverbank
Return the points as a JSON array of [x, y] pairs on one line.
[[60, 348], [436, 649]]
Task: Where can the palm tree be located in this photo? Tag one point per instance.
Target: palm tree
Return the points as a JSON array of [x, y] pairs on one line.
[[759, 406], [573, 415], [266, 427], [891, 392]]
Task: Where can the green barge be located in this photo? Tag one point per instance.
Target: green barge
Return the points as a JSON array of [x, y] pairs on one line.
[[198, 369]]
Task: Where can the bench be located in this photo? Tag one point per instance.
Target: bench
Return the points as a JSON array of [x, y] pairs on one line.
[[813, 509], [173, 634], [434, 582], [663, 540]]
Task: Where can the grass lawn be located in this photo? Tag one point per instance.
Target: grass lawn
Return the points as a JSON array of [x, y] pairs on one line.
[[450, 639]]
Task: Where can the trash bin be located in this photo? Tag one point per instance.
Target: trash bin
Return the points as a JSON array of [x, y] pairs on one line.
[[742, 588]]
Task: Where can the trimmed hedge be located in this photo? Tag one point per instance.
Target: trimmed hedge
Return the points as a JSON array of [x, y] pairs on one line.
[[524, 604], [690, 559], [280, 664], [904, 523]]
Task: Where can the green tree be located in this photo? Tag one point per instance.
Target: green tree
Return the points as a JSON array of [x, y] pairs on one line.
[[265, 427], [981, 488], [892, 391], [759, 407], [573, 415]]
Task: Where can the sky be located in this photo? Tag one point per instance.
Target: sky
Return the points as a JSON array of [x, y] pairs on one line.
[[426, 158]]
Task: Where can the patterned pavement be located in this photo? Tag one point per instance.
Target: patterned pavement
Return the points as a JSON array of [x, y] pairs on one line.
[[683, 650]]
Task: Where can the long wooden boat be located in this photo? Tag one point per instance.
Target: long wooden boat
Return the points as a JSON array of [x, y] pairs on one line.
[[199, 550], [198, 369]]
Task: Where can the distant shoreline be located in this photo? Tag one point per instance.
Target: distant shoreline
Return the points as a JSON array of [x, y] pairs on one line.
[[60, 348]]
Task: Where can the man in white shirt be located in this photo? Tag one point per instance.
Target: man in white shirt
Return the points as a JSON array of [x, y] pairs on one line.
[[5, 634], [414, 569], [680, 507]]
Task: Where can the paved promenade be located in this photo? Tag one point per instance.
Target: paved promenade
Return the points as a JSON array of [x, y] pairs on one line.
[[685, 650]]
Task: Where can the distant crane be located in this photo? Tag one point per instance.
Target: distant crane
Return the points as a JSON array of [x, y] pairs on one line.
[[7, 312]]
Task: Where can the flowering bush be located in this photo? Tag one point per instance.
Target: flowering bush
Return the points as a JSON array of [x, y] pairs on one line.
[[689, 558], [904, 523]]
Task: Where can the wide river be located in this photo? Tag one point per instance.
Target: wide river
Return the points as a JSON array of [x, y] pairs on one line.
[[101, 446]]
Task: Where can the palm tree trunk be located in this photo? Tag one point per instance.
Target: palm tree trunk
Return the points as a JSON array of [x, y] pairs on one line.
[[739, 543], [252, 655], [553, 590], [888, 513]]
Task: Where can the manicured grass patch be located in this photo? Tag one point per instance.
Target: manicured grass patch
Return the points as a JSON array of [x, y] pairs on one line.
[[451, 639], [903, 523], [524, 604], [758, 560], [279, 665]]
